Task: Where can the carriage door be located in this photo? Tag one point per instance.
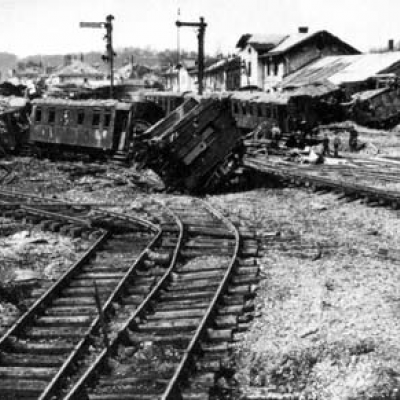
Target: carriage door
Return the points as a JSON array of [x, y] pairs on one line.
[[120, 125]]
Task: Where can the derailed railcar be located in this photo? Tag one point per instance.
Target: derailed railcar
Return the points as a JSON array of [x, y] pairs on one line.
[[96, 127], [14, 124], [379, 108], [168, 101], [199, 149], [251, 109]]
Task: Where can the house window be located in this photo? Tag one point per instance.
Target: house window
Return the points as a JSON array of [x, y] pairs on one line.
[[268, 67], [81, 117], [96, 118], [38, 115], [52, 116], [276, 68], [249, 68]]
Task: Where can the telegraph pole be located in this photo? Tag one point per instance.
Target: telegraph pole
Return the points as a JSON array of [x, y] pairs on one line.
[[109, 56], [200, 36]]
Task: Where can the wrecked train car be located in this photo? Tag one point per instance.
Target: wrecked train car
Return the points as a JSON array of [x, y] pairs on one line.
[[168, 101], [96, 127], [14, 124], [377, 108], [195, 152]]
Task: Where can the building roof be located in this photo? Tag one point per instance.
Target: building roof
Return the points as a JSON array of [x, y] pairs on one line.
[[275, 44], [222, 64], [343, 69], [314, 89], [78, 68], [260, 41], [291, 41]]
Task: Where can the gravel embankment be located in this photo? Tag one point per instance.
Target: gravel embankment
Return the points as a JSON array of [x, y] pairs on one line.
[[327, 319]]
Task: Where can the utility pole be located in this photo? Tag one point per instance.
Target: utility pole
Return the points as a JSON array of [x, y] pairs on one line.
[[200, 63], [109, 57]]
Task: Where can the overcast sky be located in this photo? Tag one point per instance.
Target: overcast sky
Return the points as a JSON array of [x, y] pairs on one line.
[[52, 26]]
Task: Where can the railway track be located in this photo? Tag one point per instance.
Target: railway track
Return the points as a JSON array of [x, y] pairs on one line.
[[171, 345], [41, 348], [314, 180]]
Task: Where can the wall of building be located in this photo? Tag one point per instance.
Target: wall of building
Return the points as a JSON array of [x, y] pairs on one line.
[[311, 51], [250, 57], [280, 66], [215, 81]]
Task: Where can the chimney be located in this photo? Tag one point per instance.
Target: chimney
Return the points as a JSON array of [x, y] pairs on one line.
[[391, 45], [303, 29]]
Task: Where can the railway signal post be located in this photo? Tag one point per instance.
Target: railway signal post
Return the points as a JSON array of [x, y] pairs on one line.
[[202, 30], [109, 57]]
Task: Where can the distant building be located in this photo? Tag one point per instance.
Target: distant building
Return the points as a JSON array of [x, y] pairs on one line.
[[76, 72], [183, 77], [224, 75], [267, 59]]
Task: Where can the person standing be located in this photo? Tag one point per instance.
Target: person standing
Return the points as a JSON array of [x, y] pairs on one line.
[[353, 135], [336, 145], [276, 134], [325, 145]]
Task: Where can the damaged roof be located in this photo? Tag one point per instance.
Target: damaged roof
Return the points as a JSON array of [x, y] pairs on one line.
[[343, 69]]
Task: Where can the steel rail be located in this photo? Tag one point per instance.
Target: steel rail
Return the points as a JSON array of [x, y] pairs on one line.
[[42, 302], [48, 296], [172, 390], [75, 392], [334, 183], [53, 386]]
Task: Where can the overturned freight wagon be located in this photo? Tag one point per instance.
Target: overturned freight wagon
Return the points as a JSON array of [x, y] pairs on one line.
[[197, 151]]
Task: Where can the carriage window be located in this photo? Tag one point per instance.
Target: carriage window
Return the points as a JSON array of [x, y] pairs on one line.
[[65, 117], [52, 116], [260, 110], [96, 118], [81, 117], [107, 119], [235, 108], [38, 115]]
